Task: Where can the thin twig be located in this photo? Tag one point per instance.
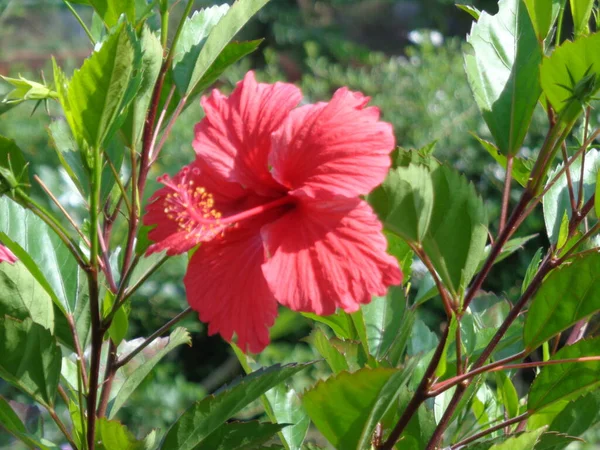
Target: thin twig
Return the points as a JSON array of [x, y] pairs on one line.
[[62, 209], [158, 333], [61, 427], [109, 374], [168, 129], [78, 349], [419, 397], [490, 430], [81, 22], [446, 300]]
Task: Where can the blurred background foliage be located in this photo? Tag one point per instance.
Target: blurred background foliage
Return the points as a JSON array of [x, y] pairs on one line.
[[405, 54]]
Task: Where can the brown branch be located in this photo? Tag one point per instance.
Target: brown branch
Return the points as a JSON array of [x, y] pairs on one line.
[[490, 430], [419, 397], [109, 375]]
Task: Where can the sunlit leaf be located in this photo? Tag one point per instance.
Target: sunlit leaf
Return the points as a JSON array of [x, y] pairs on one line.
[[569, 294], [503, 71], [568, 380]]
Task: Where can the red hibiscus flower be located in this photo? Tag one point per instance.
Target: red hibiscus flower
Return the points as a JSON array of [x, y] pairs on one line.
[[273, 197], [6, 255]]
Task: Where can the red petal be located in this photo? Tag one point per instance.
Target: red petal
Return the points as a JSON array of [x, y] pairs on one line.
[[225, 284], [235, 136], [6, 255], [340, 147], [327, 255], [184, 196]]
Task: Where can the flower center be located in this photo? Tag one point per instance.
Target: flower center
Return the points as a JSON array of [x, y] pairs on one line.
[[192, 207]]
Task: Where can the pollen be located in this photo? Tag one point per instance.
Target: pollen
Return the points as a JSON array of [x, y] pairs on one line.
[[192, 208]]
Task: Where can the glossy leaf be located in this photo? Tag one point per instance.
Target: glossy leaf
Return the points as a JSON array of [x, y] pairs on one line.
[[346, 408], [575, 419], [22, 297], [113, 435], [206, 416], [13, 167], [474, 12], [569, 294], [531, 269], [569, 380], [9, 419], [236, 17], [523, 441], [191, 41], [340, 323], [570, 60], [543, 15], [507, 394], [30, 358], [556, 200], [503, 69], [521, 167], [152, 58], [110, 10], [581, 11], [332, 355], [457, 233], [288, 409], [144, 366], [239, 436], [98, 92], [43, 253], [383, 318], [404, 202]]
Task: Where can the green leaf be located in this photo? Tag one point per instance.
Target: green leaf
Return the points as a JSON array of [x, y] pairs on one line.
[[404, 202], [69, 156], [569, 294], [442, 365], [346, 408], [573, 420], [120, 323], [110, 10], [99, 90], [160, 348], [581, 11], [597, 195], [30, 359], [152, 58], [570, 60], [420, 428], [568, 380], [457, 233], [332, 355], [191, 41], [507, 394], [288, 409], [398, 248], [532, 269], [557, 202], [236, 17], [9, 419], [383, 318], [422, 339], [113, 435], [543, 14], [521, 167], [24, 89], [340, 323], [503, 69], [13, 167], [206, 416], [21, 296], [43, 253], [239, 436], [474, 12], [524, 441]]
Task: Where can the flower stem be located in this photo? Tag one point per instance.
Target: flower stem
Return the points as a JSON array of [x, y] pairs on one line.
[[506, 193]]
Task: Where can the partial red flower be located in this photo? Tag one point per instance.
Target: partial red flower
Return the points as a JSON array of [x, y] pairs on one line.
[[273, 199], [7, 255]]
